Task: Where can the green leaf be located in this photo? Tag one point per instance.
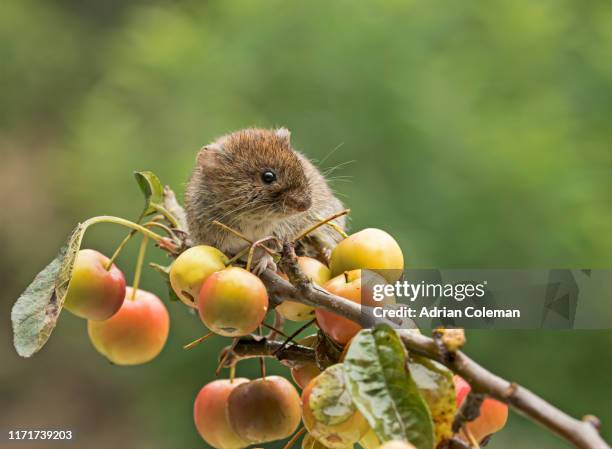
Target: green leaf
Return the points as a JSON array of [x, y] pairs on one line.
[[164, 272], [152, 189], [435, 382], [383, 390], [36, 311]]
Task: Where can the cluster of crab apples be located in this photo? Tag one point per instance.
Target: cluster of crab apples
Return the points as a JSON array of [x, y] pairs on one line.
[[130, 327]]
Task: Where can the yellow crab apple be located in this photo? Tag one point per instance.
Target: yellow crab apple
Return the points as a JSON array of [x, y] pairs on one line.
[[191, 268], [372, 249], [94, 293]]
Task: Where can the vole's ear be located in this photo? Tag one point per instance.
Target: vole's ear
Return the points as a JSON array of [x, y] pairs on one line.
[[208, 153], [284, 134]]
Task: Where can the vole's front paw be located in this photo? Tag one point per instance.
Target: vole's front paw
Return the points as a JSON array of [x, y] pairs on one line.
[[262, 263]]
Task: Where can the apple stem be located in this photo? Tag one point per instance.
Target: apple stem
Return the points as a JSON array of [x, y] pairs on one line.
[[128, 224], [126, 239], [274, 330], [238, 256], [262, 360], [197, 341], [294, 334], [139, 263], [471, 438], [294, 438], [323, 222], [226, 355]]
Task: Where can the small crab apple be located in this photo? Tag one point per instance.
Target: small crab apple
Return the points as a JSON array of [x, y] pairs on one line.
[[264, 410], [349, 285], [210, 414], [316, 272], [233, 302], [189, 271], [328, 411], [493, 414], [136, 334], [94, 292], [371, 249]]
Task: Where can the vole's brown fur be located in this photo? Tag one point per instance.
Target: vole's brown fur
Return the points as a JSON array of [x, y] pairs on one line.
[[226, 185]]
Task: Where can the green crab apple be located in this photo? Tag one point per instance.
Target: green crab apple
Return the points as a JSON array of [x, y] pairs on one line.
[[233, 302], [319, 274], [189, 271], [349, 285], [372, 249], [94, 293], [328, 411], [136, 334], [265, 409], [493, 414], [210, 414]]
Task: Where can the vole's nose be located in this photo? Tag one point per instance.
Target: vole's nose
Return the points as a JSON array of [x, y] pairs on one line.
[[300, 204]]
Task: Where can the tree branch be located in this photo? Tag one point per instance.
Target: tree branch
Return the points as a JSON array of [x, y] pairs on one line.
[[583, 434], [247, 348]]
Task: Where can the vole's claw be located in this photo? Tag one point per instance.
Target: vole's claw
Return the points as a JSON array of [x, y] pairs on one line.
[[264, 262]]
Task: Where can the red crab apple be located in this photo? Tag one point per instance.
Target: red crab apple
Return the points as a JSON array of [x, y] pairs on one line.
[[94, 293], [349, 286], [303, 373], [264, 410], [233, 302], [189, 271], [136, 334], [210, 414], [372, 249], [337, 430], [493, 414], [318, 273]]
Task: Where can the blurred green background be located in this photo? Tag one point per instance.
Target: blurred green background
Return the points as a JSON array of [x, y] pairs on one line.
[[477, 133]]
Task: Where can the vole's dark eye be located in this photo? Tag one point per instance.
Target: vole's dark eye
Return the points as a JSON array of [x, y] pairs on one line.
[[268, 176]]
